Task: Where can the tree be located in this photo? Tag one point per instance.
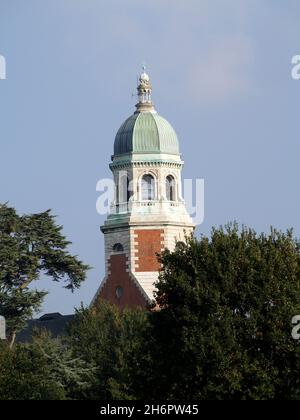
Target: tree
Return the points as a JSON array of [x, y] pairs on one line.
[[70, 373], [24, 375], [112, 340], [32, 246], [46, 369], [224, 327]]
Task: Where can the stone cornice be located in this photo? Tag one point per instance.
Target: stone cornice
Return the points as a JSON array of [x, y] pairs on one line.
[[146, 164], [158, 224]]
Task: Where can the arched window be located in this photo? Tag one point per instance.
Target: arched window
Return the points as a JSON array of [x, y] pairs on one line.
[[170, 188], [148, 187], [129, 189], [123, 187], [118, 248]]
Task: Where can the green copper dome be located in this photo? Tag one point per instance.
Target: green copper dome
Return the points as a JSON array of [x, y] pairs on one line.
[[146, 132]]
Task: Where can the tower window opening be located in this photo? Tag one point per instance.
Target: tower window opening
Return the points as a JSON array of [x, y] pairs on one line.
[[123, 188], [118, 248], [119, 292], [170, 188], [148, 187], [129, 190]]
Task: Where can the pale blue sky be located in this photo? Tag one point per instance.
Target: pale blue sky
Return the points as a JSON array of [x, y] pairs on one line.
[[221, 73]]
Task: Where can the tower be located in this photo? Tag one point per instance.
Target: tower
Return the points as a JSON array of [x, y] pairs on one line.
[[148, 213]]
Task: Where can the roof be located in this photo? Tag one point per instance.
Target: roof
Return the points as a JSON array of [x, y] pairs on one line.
[[55, 323], [146, 132]]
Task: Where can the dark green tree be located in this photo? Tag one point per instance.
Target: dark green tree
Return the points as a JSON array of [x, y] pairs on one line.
[[111, 339], [32, 246], [46, 369], [24, 375], [224, 328]]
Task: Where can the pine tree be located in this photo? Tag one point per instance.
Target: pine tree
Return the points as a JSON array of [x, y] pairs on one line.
[[32, 246]]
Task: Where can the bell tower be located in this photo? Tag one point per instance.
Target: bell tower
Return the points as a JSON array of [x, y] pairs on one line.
[[148, 213]]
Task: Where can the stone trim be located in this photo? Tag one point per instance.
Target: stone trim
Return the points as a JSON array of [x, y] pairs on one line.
[[124, 165]]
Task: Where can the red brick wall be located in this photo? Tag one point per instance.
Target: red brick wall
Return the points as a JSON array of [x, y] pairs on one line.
[[149, 242], [118, 277]]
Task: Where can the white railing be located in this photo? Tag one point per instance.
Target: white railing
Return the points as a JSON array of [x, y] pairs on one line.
[[123, 208]]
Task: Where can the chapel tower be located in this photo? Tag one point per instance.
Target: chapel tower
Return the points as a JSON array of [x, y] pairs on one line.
[[148, 213]]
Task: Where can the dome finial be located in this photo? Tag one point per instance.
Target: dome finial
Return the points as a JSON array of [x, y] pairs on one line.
[[144, 92]]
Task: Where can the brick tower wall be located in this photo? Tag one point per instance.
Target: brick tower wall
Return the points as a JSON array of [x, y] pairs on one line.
[[148, 243], [119, 277]]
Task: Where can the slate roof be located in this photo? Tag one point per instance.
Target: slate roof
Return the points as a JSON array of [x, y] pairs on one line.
[[55, 323]]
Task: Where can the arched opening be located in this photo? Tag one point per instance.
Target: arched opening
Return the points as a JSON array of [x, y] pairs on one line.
[[170, 188], [148, 187], [123, 188], [118, 248], [119, 292], [129, 189]]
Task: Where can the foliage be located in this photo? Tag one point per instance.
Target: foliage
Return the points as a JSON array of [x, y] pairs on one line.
[[31, 246], [46, 369], [71, 373], [222, 331], [224, 328], [24, 375], [112, 340]]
